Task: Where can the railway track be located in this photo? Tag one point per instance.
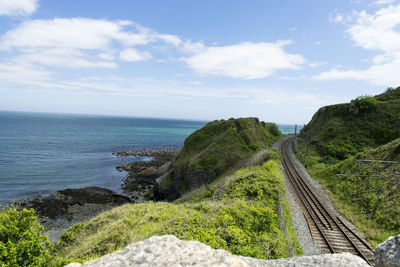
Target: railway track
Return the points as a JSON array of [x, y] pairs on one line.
[[329, 231]]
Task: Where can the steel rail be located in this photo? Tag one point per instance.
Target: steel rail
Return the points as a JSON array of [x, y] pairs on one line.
[[303, 190]]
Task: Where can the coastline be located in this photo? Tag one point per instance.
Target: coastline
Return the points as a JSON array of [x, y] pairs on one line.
[[64, 208]]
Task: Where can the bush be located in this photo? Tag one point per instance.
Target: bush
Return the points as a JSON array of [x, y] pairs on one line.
[[363, 104], [21, 241]]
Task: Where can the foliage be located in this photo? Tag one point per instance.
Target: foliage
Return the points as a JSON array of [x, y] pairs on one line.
[[369, 199], [239, 214], [340, 131], [363, 104], [217, 148], [21, 241]]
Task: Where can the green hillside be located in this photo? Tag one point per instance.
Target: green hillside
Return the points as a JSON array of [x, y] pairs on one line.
[[217, 148], [241, 216], [342, 130]]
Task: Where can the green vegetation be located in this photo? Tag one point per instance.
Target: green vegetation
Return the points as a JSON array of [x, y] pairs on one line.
[[366, 128], [363, 104], [21, 242], [239, 215], [238, 204], [218, 148], [341, 131]]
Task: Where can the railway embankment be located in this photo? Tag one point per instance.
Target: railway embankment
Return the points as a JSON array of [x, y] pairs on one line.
[[354, 154]]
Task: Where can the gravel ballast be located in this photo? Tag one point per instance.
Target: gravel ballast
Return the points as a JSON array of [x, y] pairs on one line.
[[298, 220]]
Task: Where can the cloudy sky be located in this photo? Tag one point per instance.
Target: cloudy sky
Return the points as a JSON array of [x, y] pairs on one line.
[[276, 60]]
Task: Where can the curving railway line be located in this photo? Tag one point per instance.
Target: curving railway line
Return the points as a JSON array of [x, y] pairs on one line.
[[329, 231]]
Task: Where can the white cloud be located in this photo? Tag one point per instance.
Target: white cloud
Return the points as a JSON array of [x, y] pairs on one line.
[[384, 2], [17, 7], [22, 74], [62, 57], [245, 60], [78, 33], [106, 56], [193, 47], [195, 82], [133, 55], [342, 18], [316, 64], [377, 32], [80, 42], [336, 18]]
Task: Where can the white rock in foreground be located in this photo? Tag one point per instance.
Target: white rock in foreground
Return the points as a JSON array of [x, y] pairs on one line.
[[387, 254], [166, 251], [170, 251]]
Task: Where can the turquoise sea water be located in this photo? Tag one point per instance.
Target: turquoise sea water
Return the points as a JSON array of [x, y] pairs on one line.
[[42, 153]]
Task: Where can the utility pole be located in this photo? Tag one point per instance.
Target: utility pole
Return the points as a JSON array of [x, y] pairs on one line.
[[295, 138], [308, 142]]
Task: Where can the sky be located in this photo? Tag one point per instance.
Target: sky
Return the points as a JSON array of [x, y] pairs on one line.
[[279, 61]]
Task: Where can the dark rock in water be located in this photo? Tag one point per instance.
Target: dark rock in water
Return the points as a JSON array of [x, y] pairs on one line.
[[141, 183], [57, 205], [92, 194]]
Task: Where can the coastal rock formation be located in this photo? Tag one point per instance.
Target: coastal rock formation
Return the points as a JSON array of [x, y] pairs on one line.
[[141, 181], [59, 203], [170, 251], [64, 208], [387, 254]]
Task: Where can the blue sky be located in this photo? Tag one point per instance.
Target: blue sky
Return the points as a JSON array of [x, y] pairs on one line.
[[276, 60]]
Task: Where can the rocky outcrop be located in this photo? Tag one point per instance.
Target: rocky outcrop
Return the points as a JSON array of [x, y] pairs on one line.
[[387, 254], [64, 208], [170, 251], [141, 181], [58, 204]]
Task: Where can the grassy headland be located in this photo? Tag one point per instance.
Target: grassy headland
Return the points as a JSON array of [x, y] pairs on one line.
[[218, 148], [241, 216], [237, 209], [343, 130]]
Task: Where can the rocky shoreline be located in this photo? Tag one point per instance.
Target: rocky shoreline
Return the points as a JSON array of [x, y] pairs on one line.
[[64, 208], [141, 181]]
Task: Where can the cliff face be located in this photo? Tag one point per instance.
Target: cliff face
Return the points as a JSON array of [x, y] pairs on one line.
[[216, 148], [344, 129]]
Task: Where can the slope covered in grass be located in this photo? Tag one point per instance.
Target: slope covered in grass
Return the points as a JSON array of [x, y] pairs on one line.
[[217, 148], [343, 130], [241, 215]]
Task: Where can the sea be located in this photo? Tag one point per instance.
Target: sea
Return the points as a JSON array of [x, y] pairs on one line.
[[43, 152]]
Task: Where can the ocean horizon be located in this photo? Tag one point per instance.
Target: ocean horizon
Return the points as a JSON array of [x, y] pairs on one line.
[[46, 152]]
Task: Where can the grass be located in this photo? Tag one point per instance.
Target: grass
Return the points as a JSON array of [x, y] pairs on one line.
[[239, 214]]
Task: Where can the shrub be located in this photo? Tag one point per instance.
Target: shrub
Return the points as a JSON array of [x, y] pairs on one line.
[[363, 104], [21, 241]]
